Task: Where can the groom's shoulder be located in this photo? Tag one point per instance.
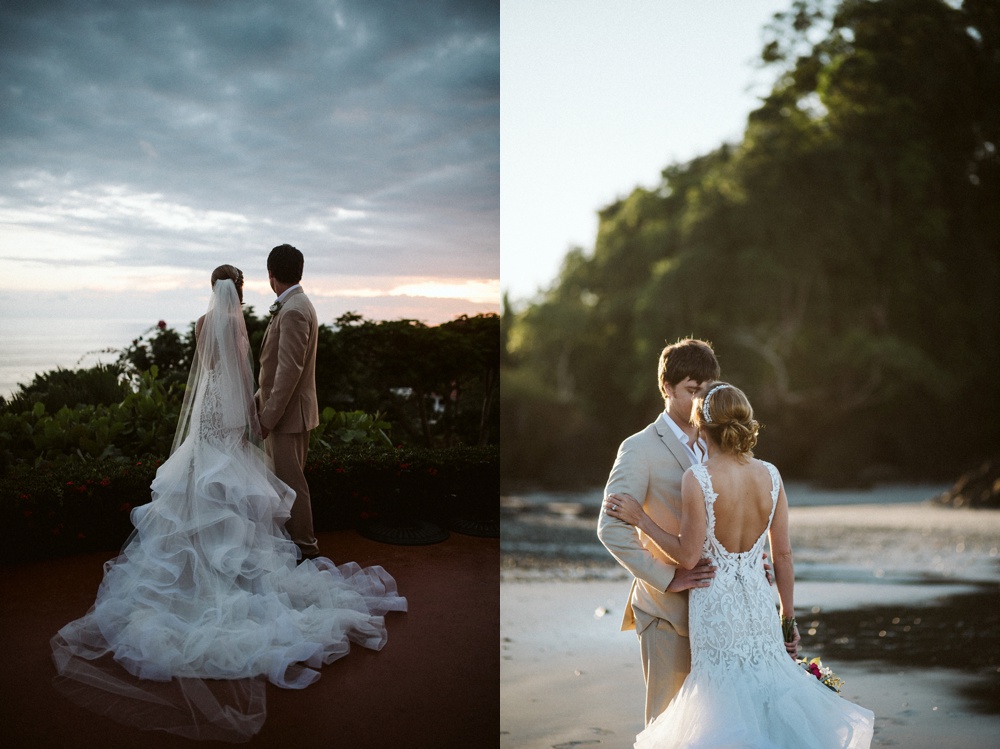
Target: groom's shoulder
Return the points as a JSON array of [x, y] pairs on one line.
[[643, 436], [300, 301]]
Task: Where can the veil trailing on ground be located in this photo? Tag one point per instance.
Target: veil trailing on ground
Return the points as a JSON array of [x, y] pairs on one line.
[[219, 400], [101, 667], [206, 604]]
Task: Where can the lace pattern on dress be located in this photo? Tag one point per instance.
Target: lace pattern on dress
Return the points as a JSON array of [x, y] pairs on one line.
[[211, 423], [733, 622]]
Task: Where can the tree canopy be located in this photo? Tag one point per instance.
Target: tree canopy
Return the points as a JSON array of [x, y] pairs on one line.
[[437, 385], [843, 259]]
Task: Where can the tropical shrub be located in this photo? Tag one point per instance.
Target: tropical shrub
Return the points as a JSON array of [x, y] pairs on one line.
[[100, 385], [141, 423], [349, 427], [62, 508]]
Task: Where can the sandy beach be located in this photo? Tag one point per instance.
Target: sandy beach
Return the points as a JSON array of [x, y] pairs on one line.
[[900, 598]]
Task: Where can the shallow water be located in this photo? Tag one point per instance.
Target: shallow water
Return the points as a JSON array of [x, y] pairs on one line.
[[569, 677], [904, 595]]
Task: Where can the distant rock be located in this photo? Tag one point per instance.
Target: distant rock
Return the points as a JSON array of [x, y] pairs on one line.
[[978, 488]]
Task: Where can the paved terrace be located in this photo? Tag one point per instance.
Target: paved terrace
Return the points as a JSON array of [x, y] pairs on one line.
[[434, 685]]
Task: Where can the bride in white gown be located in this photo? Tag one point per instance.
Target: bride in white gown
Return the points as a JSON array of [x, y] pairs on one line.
[[744, 691], [206, 600]]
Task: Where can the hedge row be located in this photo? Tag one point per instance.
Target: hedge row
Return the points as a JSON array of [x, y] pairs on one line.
[[70, 508], [142, 423]]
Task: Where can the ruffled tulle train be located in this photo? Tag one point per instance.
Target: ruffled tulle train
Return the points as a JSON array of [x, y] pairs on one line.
[[206, 602], [774, 704]]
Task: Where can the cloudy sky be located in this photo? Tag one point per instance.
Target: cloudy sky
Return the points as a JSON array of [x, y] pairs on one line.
[[598, 97], [144, 142]]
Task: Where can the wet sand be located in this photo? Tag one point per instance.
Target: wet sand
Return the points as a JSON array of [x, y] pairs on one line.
[[902, 601]]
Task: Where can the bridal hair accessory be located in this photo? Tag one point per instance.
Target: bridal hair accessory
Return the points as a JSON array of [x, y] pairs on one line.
[[705, 415]]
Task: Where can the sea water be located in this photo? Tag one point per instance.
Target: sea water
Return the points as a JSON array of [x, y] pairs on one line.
[[32, 345]]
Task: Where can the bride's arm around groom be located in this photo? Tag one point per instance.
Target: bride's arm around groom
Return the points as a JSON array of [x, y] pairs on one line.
[[631, 474]]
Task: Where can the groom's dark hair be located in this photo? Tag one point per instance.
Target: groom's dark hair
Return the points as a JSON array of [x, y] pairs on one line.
[[285, 263], [688, 357]]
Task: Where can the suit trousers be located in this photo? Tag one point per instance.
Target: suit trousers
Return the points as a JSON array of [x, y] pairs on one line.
[[666, 660], [288, 451]]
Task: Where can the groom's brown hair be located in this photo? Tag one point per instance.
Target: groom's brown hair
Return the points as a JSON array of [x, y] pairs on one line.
[[285, 263], [688, 357]]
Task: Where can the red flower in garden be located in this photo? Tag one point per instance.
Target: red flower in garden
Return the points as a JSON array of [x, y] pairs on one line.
[[105, 482], [432, 471], [162, 324]]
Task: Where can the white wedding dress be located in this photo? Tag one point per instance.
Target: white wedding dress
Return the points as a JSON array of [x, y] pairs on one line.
[[744, 691], [206, 600]]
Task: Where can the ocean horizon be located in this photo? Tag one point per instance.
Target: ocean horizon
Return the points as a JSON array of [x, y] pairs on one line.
[[33, 345]]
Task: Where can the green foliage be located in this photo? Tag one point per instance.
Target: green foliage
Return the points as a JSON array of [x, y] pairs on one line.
[[438, 385], [142, 423], [843, 260], [161, 347], [357, 483], [349, 427], [546, 442], [65, 508], [78, 449], [100, 385]]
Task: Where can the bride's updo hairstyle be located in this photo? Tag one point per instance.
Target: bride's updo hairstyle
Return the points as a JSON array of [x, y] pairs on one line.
[[232, 273], [725, 415]]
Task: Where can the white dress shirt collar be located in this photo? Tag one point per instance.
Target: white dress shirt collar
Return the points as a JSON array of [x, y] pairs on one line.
[[699, 452], [284, 295]]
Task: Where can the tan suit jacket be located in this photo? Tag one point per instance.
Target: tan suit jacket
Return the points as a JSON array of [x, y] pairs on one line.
[[286, 398], [649, 467]]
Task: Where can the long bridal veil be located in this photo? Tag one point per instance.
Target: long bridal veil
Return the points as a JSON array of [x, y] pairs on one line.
[[219, 393], [206, 603]]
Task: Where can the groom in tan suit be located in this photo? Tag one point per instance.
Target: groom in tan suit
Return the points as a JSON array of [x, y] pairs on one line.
[[649, 467], [286, 398]]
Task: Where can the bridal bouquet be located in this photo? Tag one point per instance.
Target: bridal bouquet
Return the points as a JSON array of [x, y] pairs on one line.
[[812, 666], [825, 675]]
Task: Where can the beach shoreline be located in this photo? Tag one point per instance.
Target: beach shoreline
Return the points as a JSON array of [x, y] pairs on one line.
[[896, 598]]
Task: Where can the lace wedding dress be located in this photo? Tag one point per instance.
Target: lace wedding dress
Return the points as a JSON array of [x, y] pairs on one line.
[[744, 691], [206, 600]]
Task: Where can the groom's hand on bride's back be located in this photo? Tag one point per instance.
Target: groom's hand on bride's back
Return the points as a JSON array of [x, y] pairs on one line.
[[699, 576]]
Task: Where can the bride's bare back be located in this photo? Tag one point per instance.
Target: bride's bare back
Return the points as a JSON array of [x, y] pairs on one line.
[[743, 506]]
